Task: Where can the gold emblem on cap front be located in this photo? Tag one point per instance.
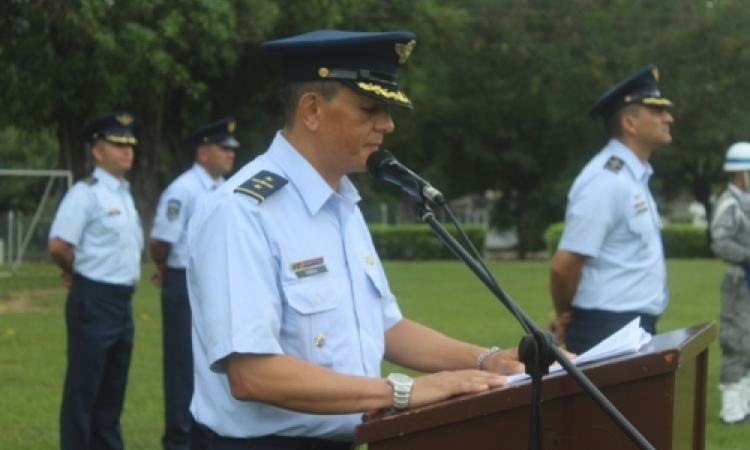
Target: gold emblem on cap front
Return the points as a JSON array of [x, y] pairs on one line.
[[124, 119], [655, 73], [323, 72], [231, 126], [404, 50]]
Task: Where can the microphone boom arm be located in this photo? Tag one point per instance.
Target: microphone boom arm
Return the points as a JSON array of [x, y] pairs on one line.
[[425, 215]]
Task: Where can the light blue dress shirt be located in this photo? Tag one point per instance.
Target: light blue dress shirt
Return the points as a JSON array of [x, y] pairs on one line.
[[612, 218], [295, 274], [98, 218], [176, 206]]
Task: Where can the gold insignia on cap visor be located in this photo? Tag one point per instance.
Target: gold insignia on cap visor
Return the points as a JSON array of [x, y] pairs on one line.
[[231, 126], [124, 119], [116, 139], [404, 50], [656, 101], [381, 91]]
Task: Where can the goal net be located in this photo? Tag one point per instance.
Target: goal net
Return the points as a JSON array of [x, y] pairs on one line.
[[19, 231]]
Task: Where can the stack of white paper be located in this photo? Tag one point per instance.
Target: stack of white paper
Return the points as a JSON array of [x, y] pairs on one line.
[[629, 339]]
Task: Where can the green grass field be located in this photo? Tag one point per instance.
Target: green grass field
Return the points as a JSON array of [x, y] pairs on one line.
[[444, 295]]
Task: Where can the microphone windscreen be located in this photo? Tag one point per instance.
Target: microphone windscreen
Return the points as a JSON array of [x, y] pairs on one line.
[[376, 161]]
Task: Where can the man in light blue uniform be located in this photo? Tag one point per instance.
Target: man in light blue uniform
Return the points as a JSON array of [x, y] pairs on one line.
[[214, 146], [96, 238], [292, 310], [609, 267]]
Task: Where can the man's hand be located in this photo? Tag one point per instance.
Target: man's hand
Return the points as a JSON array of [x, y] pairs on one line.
[[157, 278], [504, 362], [558, 325], [66, 278], [436, 387]]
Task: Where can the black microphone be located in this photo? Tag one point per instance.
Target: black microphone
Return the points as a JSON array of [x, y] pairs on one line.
[[384, 166]]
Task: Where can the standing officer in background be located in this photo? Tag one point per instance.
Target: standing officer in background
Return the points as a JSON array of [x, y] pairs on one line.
[[609, 266], [292, 313], [730, 232], [214, 146], [96, 238]]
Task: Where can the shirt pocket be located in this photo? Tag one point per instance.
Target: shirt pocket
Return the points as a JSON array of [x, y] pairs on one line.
[[376, 282], [110, 230], [641, 226], [315, 325]]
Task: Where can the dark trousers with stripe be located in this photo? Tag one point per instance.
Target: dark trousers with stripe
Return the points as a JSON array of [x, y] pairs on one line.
[[180, 430], [591, 326], [99, 321]]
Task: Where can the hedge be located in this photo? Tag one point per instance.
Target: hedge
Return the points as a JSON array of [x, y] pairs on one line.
[[419, 242], [680, 240]]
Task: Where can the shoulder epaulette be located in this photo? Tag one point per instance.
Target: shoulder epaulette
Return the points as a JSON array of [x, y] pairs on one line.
[[90, 180], [614, 164], [262, 185]]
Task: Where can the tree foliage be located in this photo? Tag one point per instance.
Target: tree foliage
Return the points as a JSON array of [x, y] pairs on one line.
[[501, 88]]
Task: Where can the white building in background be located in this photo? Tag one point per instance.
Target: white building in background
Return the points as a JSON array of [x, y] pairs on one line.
[[476, 209]]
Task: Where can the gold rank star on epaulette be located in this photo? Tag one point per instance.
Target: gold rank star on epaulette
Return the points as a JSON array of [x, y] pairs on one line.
[[614, 164], [261, 185]]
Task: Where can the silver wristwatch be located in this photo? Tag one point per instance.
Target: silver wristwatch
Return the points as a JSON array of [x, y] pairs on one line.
[[401, 389]]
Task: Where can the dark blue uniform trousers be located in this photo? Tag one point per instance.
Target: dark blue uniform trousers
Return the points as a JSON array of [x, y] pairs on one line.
[[591, 326], [181, 432], [99, 322]]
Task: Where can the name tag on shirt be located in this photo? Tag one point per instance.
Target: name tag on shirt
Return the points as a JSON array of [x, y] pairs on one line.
[[309, 268], [113, 211]]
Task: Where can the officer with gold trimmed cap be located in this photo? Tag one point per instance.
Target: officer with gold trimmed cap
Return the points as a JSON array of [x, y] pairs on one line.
[[97, 240], [291, 307], [609, 267], [220, 132], [367, 63], [115, 127], [213, 145]]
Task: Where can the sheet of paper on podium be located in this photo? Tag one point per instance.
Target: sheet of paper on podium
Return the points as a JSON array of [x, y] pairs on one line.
[[629, 339]]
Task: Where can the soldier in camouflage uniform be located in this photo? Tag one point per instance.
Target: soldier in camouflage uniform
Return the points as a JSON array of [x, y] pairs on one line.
[[730, 229]]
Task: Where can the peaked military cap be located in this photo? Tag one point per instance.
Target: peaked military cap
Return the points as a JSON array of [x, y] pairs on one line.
[[638, 88], [115, 127], [219, 132], [366, 62]]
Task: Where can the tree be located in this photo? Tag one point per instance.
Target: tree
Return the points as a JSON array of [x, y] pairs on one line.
[[70, 60]]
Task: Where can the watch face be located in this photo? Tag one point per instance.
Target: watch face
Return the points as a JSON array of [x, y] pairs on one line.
[[399, 378]]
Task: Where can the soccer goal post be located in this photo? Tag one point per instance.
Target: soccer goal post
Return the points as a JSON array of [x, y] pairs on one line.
[[52, 175]]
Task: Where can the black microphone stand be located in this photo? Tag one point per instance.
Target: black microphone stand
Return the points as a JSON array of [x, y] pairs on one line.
[[537, 350]]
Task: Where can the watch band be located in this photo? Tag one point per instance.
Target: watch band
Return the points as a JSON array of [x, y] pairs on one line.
[[484, 355], [401, 389]]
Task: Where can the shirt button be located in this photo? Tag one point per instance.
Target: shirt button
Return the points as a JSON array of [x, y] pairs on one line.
[[318, 299]]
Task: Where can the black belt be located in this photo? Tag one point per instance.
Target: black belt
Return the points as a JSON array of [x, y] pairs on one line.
[[122, 287], [278, 442]]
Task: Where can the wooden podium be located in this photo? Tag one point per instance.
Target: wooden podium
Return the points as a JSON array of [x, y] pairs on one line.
[[661, 390]]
